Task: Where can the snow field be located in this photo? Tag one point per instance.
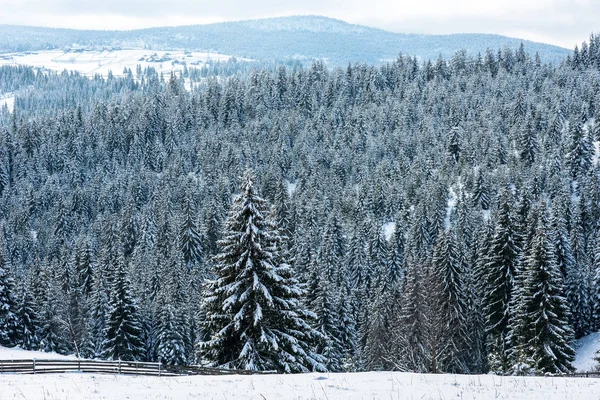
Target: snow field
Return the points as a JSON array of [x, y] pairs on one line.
[[90, 62], [8, 102], [369, 385]]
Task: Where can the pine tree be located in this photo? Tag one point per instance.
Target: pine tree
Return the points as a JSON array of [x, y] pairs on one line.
[[577, 282], [499, 275], [449, 304], [189, 236], [409, 328], [540, 323], [123, 328], [580, 151], [26, 335], [454, 143], [596, 285], [8, 317], [254, 317]]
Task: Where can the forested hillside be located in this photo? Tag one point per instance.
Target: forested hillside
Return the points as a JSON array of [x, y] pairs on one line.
[[431, 217], [297, 38]]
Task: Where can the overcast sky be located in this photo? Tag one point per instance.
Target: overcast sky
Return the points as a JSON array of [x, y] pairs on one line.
[[561, 22]]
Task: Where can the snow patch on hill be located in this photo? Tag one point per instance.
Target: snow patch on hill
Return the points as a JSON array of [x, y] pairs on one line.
[[92, 62], [586, 349], [8, 101]]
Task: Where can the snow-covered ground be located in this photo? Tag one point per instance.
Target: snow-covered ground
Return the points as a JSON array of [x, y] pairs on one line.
[[8, 102], [350, 386], [586, 349], [19, 354], [369, 385], [93, 62]]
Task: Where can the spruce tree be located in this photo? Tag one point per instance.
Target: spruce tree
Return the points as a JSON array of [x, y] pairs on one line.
[[541, 320], [8, 317], [448, 301], [253, 313], [499, 274], [123, 328]]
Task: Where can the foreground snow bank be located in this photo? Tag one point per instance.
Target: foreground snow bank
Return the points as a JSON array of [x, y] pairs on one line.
[[368, 386], [586, 349]]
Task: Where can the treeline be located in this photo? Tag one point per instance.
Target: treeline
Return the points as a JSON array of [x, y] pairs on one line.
[[442, 216]]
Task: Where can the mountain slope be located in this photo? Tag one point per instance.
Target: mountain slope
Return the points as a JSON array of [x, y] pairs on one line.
[[303, 37]]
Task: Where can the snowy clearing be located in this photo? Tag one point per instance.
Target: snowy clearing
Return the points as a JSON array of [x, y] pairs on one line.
[[8, 102], [586, 349], [389, 228], [369, 385], [93, 62]]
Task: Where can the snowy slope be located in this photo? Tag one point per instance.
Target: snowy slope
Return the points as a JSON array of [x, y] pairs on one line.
[[18, 354], [94, 62], [8, 102], [368, 386], [586, 349]]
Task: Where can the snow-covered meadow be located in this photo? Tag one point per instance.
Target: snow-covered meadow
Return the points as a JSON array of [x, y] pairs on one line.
[[339, 386], [368, 385], [92, 62]]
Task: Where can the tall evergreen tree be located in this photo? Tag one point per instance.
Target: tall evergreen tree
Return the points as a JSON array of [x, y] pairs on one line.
[[8, 317], [254, 317], [500, 272], [123, 328], [540, 322]]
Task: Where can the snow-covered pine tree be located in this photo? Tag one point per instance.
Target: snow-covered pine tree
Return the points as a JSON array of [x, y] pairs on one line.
[[448, 301], [8, 317], [253, 313], [172, 326], [190, 241], [595, 298], [409, 326], [27, 337], [541, 319], [454, 143], [580, 150], [499, 274], [577, 286], [123, 328]]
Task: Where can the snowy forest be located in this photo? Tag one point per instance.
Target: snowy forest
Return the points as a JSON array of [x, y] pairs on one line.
[[417, 216]]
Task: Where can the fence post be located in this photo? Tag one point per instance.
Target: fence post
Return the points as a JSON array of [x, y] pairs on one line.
[[159, 369], [34, 365], [119, 367]]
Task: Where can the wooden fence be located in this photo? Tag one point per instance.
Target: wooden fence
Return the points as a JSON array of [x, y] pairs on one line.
[[111, 367], [34, 366]]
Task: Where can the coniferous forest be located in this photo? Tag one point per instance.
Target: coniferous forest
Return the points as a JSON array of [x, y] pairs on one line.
[[418, 216]]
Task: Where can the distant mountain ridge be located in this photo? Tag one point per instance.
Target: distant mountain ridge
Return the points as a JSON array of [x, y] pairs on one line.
[[300, 37]]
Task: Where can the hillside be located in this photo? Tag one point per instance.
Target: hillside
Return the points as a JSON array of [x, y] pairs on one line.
[[303, 37]]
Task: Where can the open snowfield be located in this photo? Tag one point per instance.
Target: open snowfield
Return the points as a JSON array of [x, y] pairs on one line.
[[91, 62], [364, 386], [369, 385]]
